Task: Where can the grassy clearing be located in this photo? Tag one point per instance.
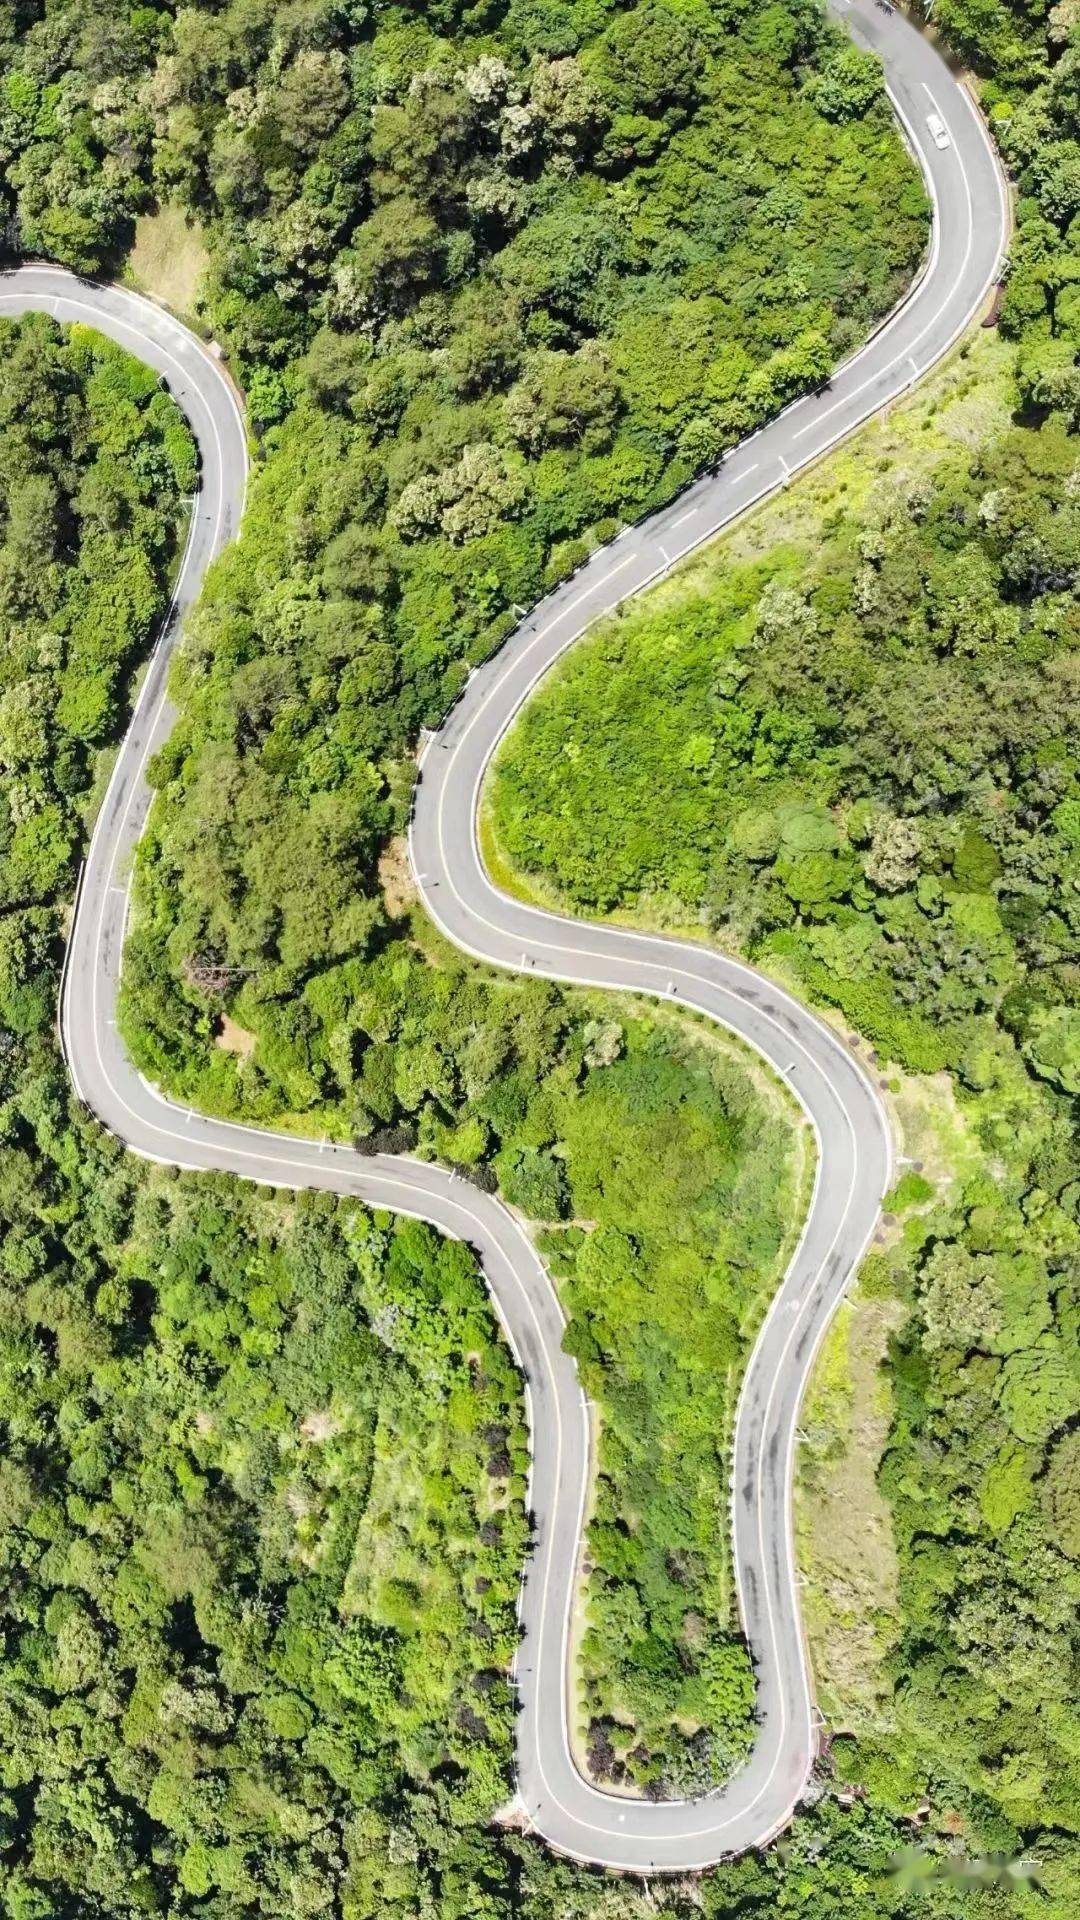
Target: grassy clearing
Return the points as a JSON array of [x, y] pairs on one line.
[[846, 1546], [845, 1542], [169, 258]]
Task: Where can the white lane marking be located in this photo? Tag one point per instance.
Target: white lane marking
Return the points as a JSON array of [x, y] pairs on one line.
[[69, 302], [825, 1318], [707, 533], [382, 1182], [567, 609], [582, 1785], [1003, 208]]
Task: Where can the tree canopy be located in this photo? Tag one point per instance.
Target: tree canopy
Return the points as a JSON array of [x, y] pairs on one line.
[[497, 274]]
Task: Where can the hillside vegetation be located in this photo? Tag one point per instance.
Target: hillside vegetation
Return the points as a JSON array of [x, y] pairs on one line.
[[494, 275], [853, 755], [94, 459], [553, 259], [856, 761]]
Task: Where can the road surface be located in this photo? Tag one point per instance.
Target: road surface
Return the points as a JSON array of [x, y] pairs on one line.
[[840, 1101]]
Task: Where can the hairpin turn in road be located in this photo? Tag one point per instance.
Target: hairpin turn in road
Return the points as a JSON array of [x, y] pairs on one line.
[[853, 1149]]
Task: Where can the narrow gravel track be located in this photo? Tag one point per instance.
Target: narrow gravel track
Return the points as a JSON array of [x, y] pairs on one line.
[[840, 1102]]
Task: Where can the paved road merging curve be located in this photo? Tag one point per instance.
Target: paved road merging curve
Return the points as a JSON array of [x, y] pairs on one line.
[[840, 1102]]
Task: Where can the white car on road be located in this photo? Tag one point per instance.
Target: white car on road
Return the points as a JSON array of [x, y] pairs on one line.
[[938, 129]]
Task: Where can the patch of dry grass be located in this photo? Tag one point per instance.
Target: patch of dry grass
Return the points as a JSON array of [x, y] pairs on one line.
[[169, 258], [845, 1542], [396, 879]]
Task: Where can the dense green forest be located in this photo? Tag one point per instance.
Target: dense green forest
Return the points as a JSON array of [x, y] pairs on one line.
[[855, 758], [624, 235], [495, 275], [491, 276], [449, 255], [94, 458], [662, 1178], [856, 761], [261, 1568]]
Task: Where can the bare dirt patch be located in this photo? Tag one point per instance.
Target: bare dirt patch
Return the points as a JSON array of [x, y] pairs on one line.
[[316, 1427], [396, 878], [233, 1038], [512, 1816]]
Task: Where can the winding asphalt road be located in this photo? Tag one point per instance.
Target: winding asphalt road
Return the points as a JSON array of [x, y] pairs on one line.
[[841, 1104]]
